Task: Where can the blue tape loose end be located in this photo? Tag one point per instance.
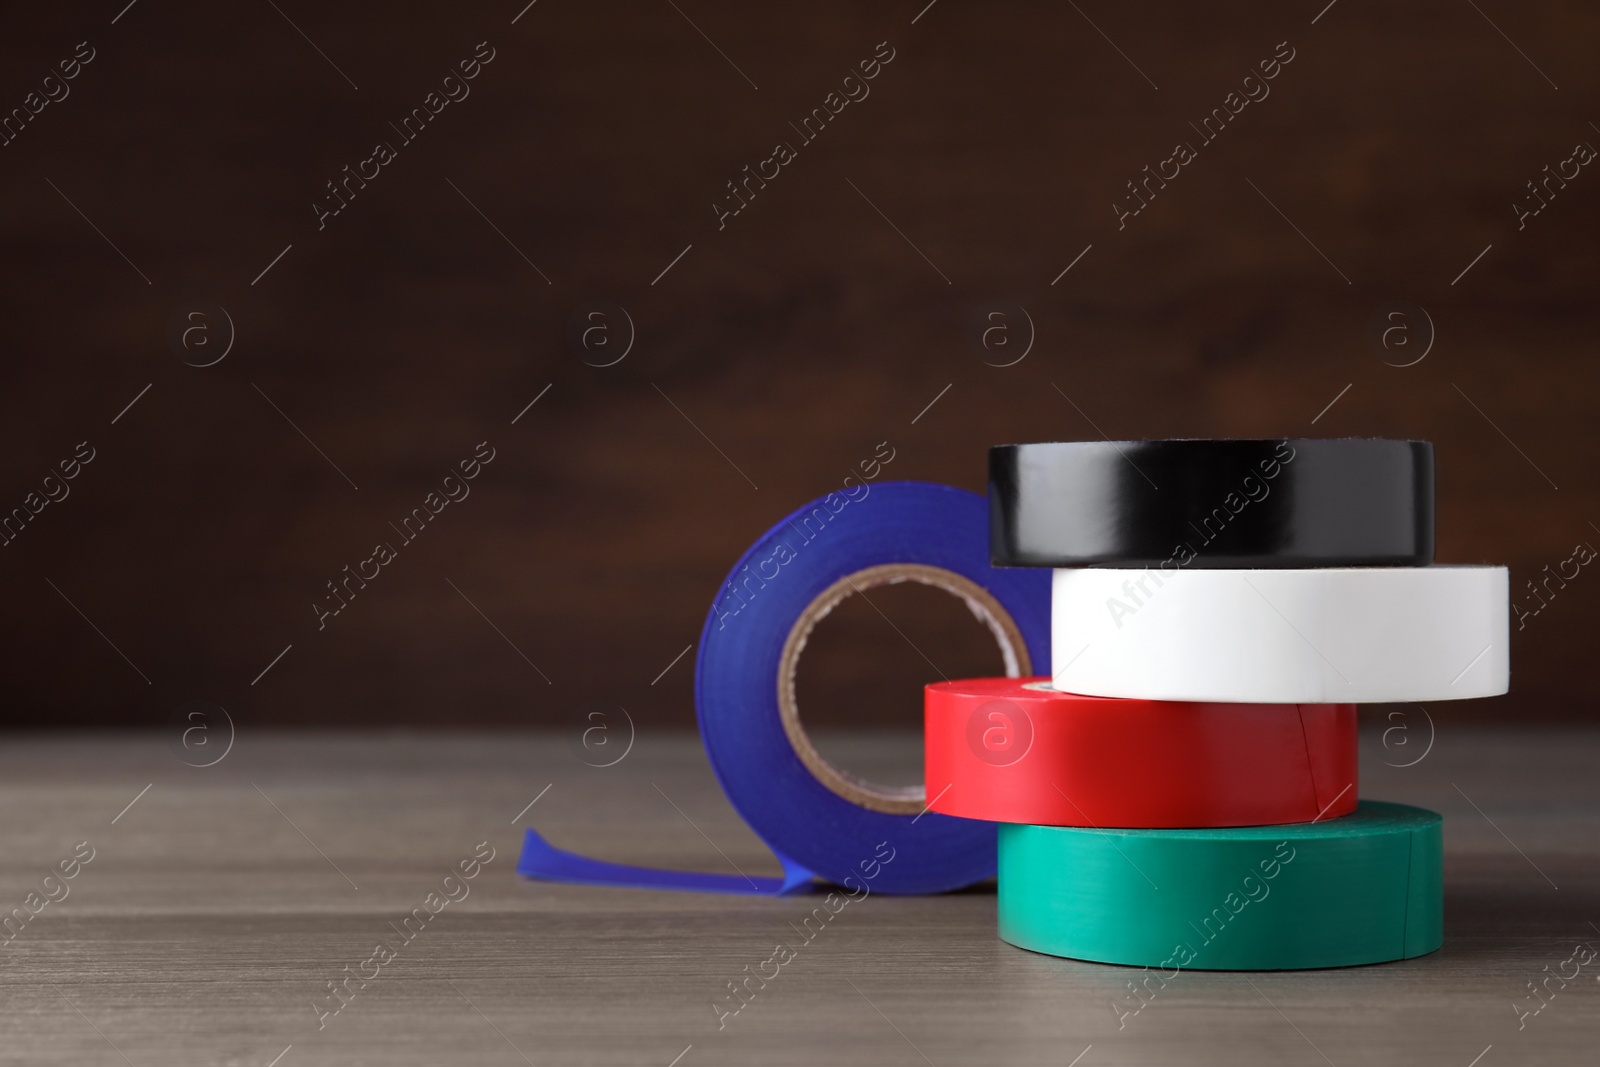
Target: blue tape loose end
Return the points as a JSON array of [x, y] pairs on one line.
[[543, 861]]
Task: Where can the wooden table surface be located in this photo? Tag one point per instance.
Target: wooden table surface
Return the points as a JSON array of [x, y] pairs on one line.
[[220, 904]]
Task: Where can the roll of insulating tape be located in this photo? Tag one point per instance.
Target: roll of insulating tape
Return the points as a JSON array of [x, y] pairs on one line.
[[1014, 750], [1362, 889], [1319, 636], [818, 819], [1356, 502]]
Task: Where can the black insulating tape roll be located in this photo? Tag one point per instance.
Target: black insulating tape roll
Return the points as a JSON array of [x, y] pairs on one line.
[[1284, 502]]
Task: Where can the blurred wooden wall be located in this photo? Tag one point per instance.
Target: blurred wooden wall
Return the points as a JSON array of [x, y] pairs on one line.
[[379, 350]]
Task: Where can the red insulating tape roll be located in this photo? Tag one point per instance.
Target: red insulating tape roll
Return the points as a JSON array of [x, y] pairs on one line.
[[1005, 750]]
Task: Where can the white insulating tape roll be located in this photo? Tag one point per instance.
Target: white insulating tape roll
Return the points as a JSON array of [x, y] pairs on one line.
[[1333, 635]]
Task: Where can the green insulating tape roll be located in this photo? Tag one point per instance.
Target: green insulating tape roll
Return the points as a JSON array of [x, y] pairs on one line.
[[1364, 888]]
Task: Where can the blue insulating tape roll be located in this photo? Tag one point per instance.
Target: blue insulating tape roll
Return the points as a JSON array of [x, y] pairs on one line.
[[736, 680], [811, 828]]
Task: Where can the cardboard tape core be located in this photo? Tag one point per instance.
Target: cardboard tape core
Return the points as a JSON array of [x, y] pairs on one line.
[[892, 800]]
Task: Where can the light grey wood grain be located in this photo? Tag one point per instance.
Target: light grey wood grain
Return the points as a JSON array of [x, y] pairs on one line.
[[206, 923]]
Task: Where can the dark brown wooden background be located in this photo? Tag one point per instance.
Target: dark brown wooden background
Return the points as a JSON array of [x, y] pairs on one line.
[[797, 338]]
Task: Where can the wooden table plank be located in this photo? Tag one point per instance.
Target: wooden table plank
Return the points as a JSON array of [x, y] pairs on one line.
[[206, 923]]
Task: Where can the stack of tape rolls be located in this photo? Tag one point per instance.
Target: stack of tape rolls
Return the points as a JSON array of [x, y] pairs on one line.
[[1180, 792], [1166, 776]]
